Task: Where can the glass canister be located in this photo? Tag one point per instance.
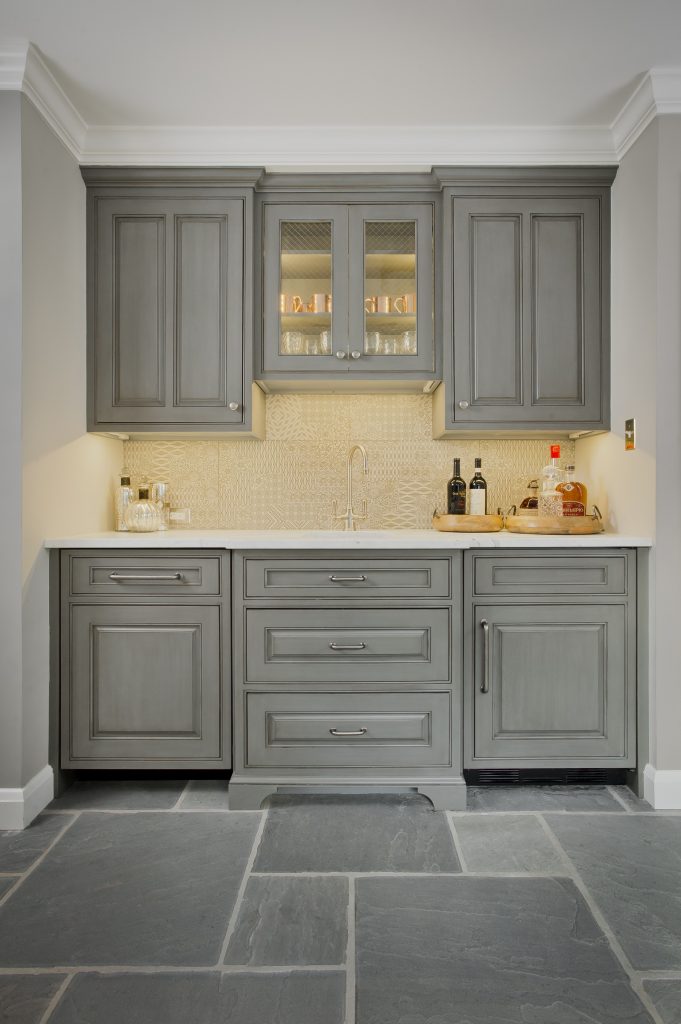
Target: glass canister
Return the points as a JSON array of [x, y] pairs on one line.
[[143, 516]]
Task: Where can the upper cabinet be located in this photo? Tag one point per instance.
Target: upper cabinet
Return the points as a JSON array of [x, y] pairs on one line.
[[526, 301], [170, 301], [347, 292]]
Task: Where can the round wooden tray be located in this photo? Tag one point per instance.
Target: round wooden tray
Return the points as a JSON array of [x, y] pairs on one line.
[[468, 524], [565, 526]]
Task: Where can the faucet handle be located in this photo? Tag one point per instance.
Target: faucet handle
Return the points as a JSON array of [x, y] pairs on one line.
[[364, 514]]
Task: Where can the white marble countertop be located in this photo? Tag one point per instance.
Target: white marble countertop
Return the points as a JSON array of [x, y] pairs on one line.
[[338, 540]]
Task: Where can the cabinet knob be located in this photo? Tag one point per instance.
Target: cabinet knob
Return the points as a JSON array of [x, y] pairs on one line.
[[464, 405], [234, 406], [341, 354], [355, 355]]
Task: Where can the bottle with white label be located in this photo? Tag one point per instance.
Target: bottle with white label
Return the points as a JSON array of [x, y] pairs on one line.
[[477, 490]]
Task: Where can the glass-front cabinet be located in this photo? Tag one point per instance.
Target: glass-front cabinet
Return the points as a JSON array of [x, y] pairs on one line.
[[348, 289]]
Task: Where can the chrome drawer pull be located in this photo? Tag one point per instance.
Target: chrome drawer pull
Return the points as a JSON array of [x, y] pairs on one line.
[[119, 577], [346, 647], [348, 579], [484, 686], [348, 732]]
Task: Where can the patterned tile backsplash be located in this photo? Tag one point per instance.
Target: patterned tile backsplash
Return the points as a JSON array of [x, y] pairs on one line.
[[289, 481]]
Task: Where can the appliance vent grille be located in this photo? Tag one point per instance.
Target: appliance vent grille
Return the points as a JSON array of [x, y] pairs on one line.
[[545, 776]]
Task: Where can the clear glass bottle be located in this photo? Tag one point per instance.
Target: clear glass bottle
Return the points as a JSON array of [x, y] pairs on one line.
[[550, 499], [142, 516], [160, 494], [123, 495], [477, 490]]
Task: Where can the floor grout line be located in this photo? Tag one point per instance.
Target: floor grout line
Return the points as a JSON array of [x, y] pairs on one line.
[[659, 975], [231, 927], [72, 970], [618, 798], [56, 999], [627, 966], [350, 962], [457, 844], [29, 871]]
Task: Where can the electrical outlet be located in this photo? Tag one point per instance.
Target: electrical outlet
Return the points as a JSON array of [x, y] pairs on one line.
[[629, 435], [180, 515]]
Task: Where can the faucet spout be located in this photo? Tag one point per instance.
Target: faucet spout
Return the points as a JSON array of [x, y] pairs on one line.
[[350, 517]]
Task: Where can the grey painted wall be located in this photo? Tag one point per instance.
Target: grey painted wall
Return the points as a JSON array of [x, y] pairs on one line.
[[67, 473], [10, 431]]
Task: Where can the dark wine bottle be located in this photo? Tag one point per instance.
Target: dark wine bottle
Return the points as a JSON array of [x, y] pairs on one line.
[[478, 489], [456, 492]]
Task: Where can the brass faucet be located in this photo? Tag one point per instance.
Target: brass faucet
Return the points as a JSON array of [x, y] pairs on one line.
[[350, 517]]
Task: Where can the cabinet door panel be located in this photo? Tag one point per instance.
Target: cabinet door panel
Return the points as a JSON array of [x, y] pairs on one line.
[[145, 683], [556, 682]]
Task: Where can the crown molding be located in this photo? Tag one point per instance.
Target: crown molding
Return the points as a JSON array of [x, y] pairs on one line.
[[658, 92], [324, 148]]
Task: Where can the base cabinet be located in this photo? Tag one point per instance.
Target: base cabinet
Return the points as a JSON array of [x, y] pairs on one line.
[[145, 682], [550, 677]]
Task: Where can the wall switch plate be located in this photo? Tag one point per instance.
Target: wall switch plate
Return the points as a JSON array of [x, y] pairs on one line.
[[629, 435]]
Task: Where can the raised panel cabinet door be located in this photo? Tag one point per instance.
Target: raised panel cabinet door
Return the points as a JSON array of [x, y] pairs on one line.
[[167, 311], [305, 289], [552, 682], [144, 683], [526, 312]]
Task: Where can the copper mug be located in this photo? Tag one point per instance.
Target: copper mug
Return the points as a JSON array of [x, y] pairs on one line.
[[408, 303], [370, 303], [291, 304], [320, 303]]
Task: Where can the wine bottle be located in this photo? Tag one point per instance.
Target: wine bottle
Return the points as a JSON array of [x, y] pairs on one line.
[[456, 492], [478, 492]]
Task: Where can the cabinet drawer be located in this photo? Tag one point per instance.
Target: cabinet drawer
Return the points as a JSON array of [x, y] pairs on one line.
[[354, 579], [347, 645], [328, 730], [561, 575], [111, 575]]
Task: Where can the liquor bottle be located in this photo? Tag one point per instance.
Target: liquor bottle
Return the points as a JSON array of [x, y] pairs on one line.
[[456, 492], [123, 495], [550, 499], [573, 494], [478, 492], [143, 516], [528, 506]]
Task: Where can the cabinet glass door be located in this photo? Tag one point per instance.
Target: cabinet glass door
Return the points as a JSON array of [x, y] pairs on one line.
[[391, 314], [304, 291]]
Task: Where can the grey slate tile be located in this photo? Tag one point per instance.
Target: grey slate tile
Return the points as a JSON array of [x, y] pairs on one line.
[[206, 795], [485, 951], [631, 866], [506, 842], [153, 795], [667, 998], [18, 850], [25, 997], [355, 833], [130, 889], [291, 921], [541, 798], [299, 998], [631, 800]]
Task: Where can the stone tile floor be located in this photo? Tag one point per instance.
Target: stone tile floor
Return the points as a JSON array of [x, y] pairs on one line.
[[152, 903]]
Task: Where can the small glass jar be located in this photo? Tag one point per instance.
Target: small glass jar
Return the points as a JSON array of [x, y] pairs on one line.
[[142, 516]]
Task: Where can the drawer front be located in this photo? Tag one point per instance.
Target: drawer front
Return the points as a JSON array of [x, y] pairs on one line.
[[330, 730], [561, 575], [347, 645], [353, 579], [112, 574]]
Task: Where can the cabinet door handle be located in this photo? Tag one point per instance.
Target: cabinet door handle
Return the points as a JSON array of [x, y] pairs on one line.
[[348, 579], [356, 354], [119, 577], [464, 404], [233, 406], [340, 354], [348, 732], [484, 685], [346, 647]]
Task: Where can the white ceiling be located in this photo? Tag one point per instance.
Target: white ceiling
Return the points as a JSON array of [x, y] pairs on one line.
[[444, 69]]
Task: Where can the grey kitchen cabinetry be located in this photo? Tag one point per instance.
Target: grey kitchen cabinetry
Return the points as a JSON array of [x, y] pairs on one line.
[[347, 289], [347, 673], [526, 302], [550, 660], [145, 676], [170, 301]]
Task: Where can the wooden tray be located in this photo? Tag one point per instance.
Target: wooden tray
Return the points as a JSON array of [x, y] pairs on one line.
[[565, 526], [467, 524]]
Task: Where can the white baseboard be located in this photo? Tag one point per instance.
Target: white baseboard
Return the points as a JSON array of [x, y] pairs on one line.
[[662, 788], [18, 807]]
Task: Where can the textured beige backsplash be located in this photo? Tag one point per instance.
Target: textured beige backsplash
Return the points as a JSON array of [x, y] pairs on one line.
[[290, 480]]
